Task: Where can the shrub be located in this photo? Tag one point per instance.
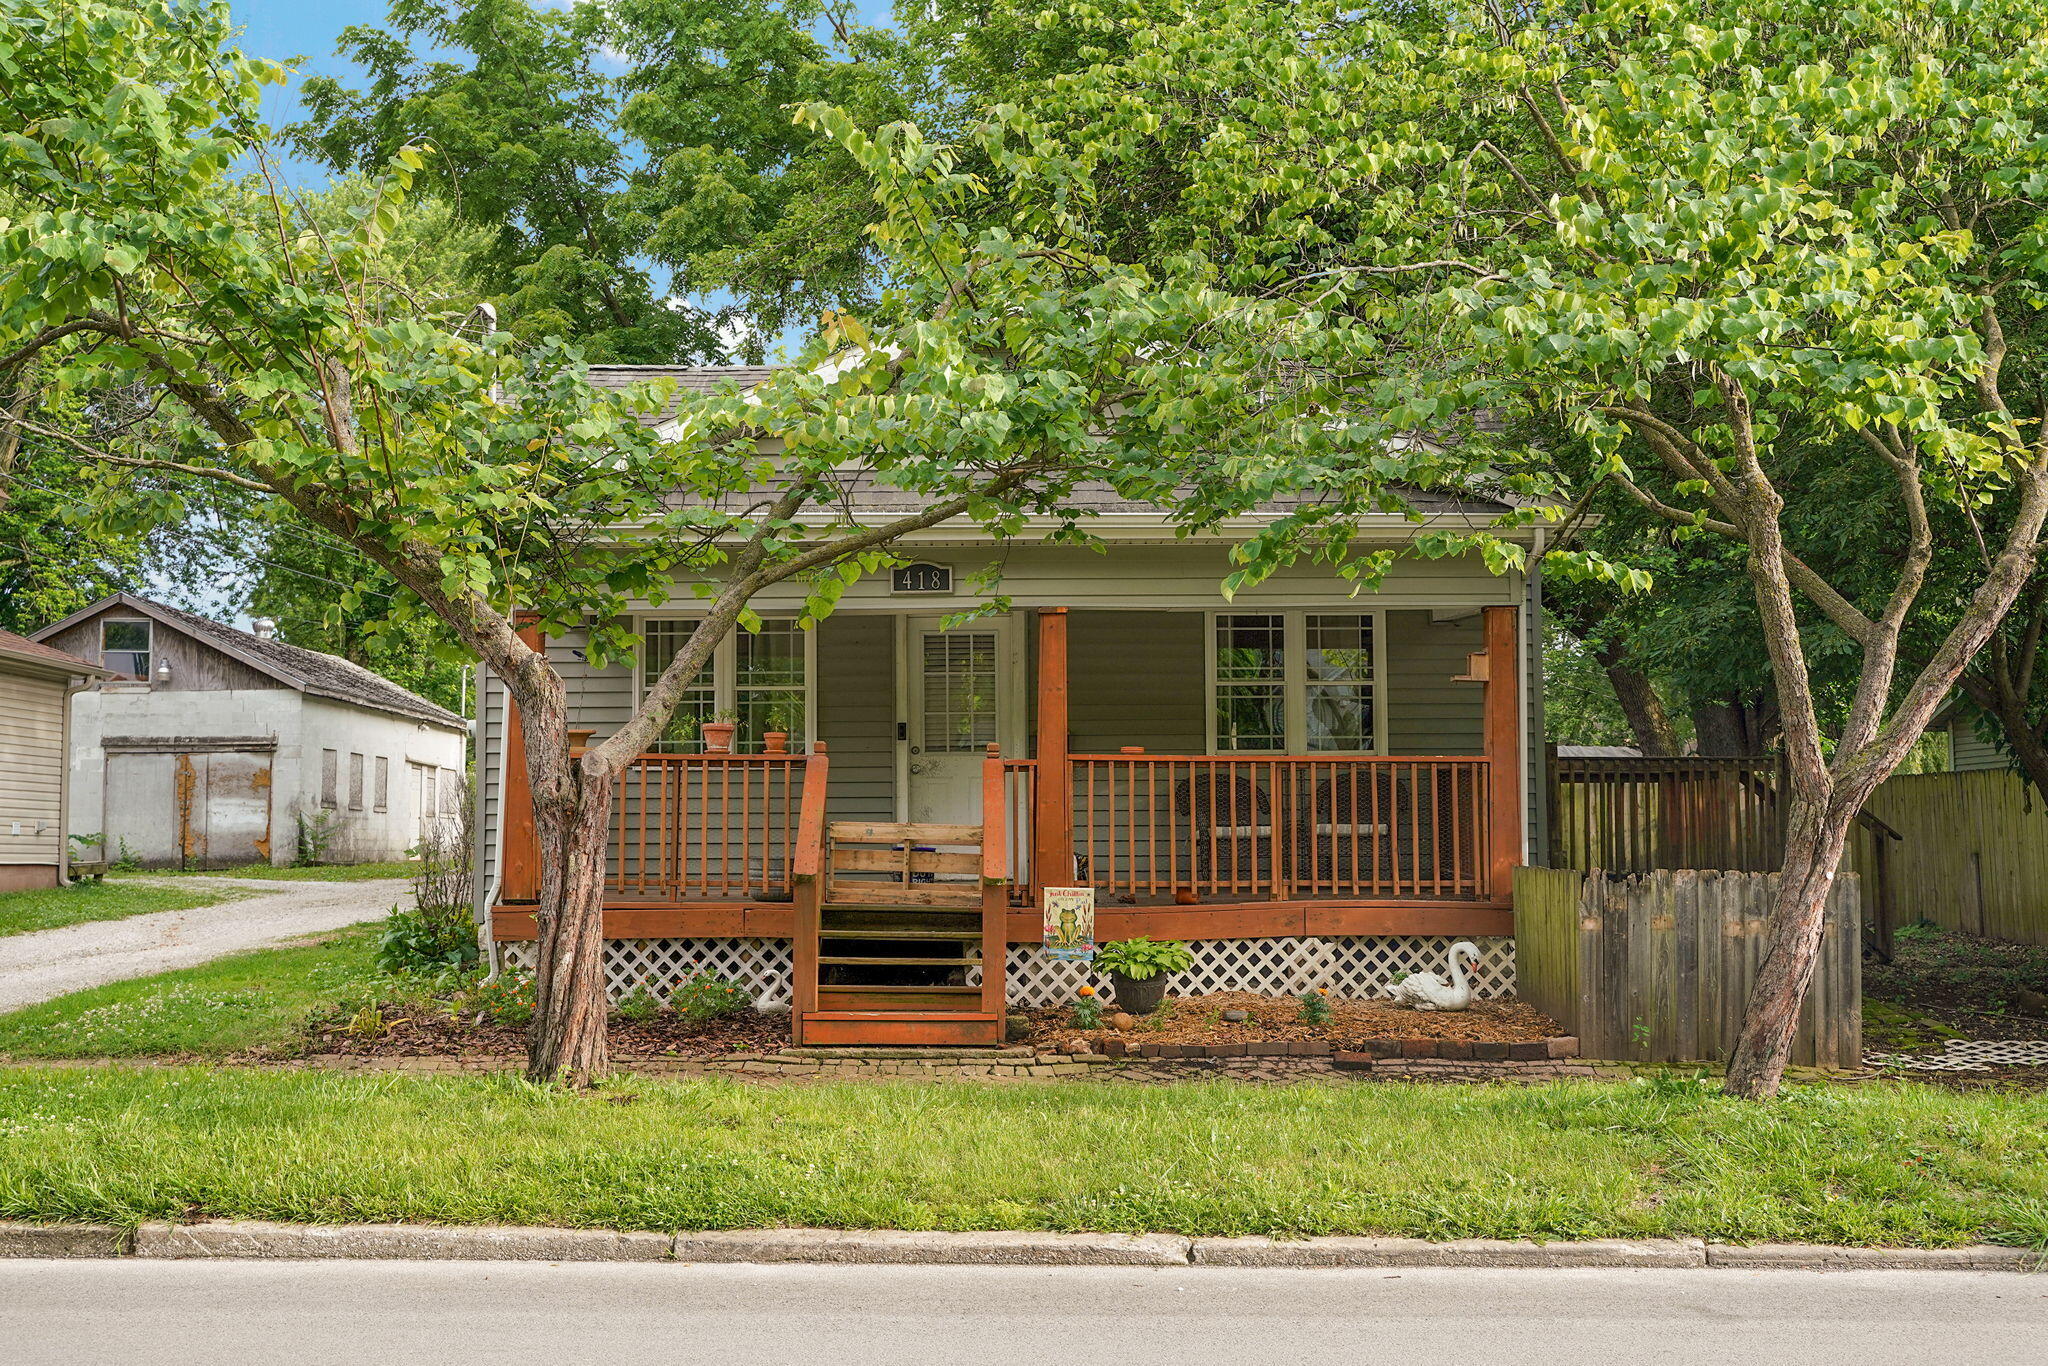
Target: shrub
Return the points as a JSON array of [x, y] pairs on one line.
[[508, 1000], [704, 998], [427, 942], [1141, 959], [1315, 1007], [639, 1006]]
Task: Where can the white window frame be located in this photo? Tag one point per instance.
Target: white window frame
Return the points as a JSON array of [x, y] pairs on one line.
[[1294, 676], [725, 669]]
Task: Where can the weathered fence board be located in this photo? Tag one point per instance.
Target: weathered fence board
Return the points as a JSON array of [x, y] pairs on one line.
[[1973, 853], [1658, 966]]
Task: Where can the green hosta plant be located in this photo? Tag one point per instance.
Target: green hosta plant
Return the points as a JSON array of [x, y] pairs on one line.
[[1142, 959]]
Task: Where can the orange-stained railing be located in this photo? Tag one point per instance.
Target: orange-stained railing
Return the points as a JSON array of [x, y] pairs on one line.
[[705, 827], [1192, 828], [1020, 787]]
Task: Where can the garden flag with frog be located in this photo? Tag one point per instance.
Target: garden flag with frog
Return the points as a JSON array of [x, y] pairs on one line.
[[1070, 924]]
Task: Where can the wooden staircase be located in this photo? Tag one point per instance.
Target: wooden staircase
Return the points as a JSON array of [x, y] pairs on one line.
[[891, 919]]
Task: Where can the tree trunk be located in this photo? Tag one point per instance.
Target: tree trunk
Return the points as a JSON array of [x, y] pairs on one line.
[[1731, 728], [566, 1042], [1816, 835], [1647, 719]]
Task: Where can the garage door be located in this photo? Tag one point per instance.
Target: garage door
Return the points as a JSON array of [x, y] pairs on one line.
[[193, 809]]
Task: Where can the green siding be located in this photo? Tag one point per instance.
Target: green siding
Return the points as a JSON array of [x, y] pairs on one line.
[[856, 700]]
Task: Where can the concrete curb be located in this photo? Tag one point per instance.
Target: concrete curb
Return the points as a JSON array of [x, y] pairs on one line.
[[1825, 1257], [933, 1249], [1415, 1252], [400, 1242], [256, 1239], [62, 1240]]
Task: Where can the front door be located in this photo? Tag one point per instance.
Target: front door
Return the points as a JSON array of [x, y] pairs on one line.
[[964, 694]]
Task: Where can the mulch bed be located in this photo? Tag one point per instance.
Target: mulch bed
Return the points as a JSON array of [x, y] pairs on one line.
[[1277, 1019], [418, 1033], [1941, 985]]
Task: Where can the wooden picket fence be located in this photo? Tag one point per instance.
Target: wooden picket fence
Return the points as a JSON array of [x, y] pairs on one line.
[[1658, 966], [1973, 853]]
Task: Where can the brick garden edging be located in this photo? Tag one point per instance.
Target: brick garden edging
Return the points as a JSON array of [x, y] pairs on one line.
[[1456, 1050], [256, 1239]]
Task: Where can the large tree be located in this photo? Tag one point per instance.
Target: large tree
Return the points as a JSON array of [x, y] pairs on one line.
[[489, 479], [1710, 238]]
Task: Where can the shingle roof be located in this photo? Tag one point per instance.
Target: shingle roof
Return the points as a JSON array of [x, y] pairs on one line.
[[700, 379], [309, 671], [34, 652], [862, 494]]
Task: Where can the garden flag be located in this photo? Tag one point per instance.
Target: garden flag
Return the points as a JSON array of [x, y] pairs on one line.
[[1070, 924]]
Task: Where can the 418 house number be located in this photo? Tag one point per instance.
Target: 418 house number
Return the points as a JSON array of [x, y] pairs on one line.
[[921, 578]]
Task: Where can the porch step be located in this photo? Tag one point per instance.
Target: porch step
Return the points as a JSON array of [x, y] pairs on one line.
[[903, 1028], [896, 932], [896, 999], [897, 895], [967, 960]]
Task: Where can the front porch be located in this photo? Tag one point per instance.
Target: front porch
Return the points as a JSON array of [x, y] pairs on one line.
[[1192, 845]]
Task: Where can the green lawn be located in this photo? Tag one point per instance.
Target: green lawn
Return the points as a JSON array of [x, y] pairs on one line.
[[1885, 1164], [22, 912], [227, 1006], [324, 872]]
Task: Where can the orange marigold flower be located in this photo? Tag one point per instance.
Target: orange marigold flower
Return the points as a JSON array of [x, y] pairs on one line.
[[1087, 991]]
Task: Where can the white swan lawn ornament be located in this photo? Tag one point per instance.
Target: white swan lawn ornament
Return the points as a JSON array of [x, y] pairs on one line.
[[1427, 991]]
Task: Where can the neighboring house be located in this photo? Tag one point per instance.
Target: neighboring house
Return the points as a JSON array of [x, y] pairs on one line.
[[1968, 751], [36, 683], [208, 746], [1317, 788]]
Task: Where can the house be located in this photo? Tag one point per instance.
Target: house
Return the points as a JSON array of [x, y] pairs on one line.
[[208, 746], [36, 684], [1313, 788]]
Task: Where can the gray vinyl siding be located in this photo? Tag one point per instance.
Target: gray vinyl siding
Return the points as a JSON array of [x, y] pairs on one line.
[[1135, 678], [1156, 576], [490, 761], [1425, 712], [856, 699], [1971, 753]]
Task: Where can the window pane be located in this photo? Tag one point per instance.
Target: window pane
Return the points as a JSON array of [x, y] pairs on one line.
[[1250, 716], [664, 639], [124, 635], [1340, 716], [1339, 648], [774, 654], [1250, 646], [959, 691]]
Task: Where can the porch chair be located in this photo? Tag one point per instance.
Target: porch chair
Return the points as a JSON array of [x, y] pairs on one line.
[[1229, 821], [1353, 816]]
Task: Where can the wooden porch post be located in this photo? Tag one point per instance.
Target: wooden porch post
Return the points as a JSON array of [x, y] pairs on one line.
[[1502, 729], [519, 880], [1052, 816], [995, 884]]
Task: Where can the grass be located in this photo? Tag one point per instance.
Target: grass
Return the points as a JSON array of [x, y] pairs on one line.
[[52, 908], [1881, 1164], [230, 1005], [323, 872]]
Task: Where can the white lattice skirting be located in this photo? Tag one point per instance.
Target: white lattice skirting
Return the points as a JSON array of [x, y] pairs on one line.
[[1356, 966], [661, 965]]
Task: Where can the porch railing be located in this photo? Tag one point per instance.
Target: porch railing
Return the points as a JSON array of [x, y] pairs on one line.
[[705, 827], [1020, 795], [1187, 828]]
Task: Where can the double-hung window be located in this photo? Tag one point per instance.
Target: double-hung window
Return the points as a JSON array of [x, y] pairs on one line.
[[1294, 682], [761, 679]]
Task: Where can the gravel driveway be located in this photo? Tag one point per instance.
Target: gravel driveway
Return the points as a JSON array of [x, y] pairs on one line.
[[35, 967]]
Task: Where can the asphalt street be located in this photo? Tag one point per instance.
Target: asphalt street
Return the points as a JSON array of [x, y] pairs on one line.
[[137, 1313]]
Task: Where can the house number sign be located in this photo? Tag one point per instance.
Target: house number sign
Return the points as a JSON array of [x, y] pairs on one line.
[[921, 578]]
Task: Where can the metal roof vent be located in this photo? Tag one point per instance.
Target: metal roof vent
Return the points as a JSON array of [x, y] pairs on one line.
[[263, 628]]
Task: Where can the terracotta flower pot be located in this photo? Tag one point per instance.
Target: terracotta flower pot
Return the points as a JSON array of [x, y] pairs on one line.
[[718, 736], [776, 741], [1139, 998]]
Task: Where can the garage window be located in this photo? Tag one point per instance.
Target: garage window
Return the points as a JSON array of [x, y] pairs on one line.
[[330, 777], [383, 797], [355, 782]]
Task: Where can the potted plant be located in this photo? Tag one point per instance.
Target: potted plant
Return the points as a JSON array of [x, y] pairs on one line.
[[1138, 970], [718, 732]]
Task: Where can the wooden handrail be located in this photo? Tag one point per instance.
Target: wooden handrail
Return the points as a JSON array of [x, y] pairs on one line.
[[995, 822], [810, 825]]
